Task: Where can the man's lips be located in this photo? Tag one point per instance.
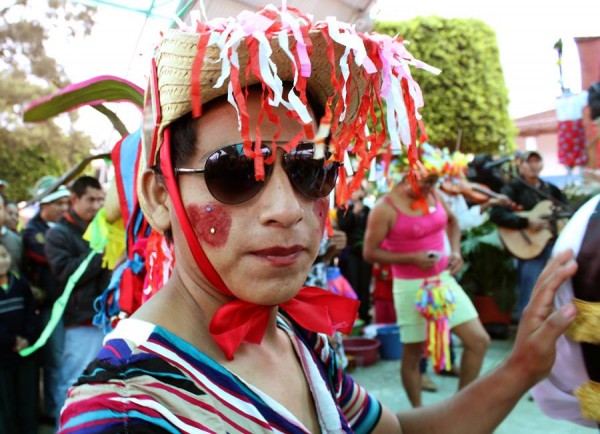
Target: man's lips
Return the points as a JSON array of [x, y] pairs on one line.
[[280, 255]]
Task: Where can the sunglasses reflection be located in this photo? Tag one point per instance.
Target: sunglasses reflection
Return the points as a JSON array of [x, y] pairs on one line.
[[230, 175]]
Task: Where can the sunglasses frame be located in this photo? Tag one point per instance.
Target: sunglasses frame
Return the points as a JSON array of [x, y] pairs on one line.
[[336, 165]]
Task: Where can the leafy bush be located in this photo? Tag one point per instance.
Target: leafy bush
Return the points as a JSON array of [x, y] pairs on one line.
[[580, 194], [470, 93]]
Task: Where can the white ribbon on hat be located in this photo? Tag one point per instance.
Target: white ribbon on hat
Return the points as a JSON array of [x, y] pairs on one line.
[[333, 27], [294, 103], [397, 118], [221, 41], [268, 69], [235, 61], [292, 24], [248, 24], [349, 38]]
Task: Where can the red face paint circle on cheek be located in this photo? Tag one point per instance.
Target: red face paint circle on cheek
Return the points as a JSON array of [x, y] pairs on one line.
[[211, 223], [321, 209]]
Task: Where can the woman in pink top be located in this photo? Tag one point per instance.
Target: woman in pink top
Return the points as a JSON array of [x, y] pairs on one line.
[[406, 229]]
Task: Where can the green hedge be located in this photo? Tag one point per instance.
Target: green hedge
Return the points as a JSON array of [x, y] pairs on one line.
[[470, 93]]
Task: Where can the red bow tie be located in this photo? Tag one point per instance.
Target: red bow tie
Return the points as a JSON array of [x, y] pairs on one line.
[[313, 308]]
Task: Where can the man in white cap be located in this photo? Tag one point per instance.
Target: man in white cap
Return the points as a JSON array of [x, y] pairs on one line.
[[36, 268]]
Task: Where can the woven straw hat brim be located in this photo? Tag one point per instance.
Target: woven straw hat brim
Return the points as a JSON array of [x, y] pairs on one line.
[[178, 50]]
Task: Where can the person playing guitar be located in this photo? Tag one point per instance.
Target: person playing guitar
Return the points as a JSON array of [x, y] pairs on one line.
[[529, 191]]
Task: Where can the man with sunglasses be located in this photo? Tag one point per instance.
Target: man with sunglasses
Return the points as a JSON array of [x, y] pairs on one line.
[[233, 342]]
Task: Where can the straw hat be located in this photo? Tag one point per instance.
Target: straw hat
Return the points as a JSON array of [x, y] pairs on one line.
[[347, 72], [177, 53]]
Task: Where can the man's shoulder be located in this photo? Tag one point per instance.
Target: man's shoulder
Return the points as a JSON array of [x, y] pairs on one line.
[[36, 224], [61, 229], [513, 185], [13, 241], [551, 186], [10, 236], [385, 206]]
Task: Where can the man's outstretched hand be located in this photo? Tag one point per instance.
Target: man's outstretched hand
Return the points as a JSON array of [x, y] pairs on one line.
[[541, 325], [484, 403]]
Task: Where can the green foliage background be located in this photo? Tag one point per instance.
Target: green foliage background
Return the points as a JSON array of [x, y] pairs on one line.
[[470, 93], [489, 268], [30, 151]]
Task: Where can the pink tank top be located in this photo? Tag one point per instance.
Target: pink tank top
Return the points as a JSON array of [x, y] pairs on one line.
[[412, 234]]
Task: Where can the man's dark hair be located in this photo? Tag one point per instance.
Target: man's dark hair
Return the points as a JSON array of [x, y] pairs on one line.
[[82, 183]]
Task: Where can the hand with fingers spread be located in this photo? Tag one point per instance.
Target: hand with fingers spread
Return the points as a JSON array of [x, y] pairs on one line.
[[530, 361], [540, 325]]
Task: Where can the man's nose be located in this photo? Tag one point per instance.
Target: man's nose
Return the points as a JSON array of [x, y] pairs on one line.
[[282, 204]]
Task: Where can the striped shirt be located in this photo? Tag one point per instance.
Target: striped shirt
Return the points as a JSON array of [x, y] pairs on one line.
[[148, 380]]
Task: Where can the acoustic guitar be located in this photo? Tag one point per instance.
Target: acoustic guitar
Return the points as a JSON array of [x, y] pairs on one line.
[[527, 243], [521, 243]]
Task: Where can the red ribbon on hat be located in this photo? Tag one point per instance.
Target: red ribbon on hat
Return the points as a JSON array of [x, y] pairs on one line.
[[238, 321]]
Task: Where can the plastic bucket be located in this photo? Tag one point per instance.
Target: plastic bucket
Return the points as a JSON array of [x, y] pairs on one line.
[[364, 350], [391, 347]]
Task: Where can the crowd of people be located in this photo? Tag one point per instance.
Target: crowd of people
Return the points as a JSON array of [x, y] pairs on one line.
[[236, 340], [42, 257]]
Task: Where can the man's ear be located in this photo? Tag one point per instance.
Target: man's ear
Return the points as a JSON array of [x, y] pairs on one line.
[[154, 200]]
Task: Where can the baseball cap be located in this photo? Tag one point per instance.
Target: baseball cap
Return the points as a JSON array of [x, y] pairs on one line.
[[44, 184], [526, 155], [59, 193]]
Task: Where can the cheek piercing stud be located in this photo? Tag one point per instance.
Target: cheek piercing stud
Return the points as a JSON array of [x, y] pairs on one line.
[[208, 208], [213, 230]]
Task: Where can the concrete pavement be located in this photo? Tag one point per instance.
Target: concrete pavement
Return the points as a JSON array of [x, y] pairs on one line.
[[383, 380]]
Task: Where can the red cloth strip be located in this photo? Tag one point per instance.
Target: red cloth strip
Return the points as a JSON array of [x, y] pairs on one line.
[[315, 309]]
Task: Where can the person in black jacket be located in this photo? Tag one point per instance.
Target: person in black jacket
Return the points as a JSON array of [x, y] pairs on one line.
[[66, 250], [37, 271], [353, 266], [530, 166], [18, 330]]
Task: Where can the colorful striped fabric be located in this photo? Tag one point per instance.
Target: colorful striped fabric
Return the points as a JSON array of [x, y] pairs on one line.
[[148, 380]]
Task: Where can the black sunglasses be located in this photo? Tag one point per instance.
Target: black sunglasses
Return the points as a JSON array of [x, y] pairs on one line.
[[229, 173]]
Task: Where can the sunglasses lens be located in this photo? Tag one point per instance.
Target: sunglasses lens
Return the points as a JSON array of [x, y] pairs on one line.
[[311, 177], [229, 174]]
